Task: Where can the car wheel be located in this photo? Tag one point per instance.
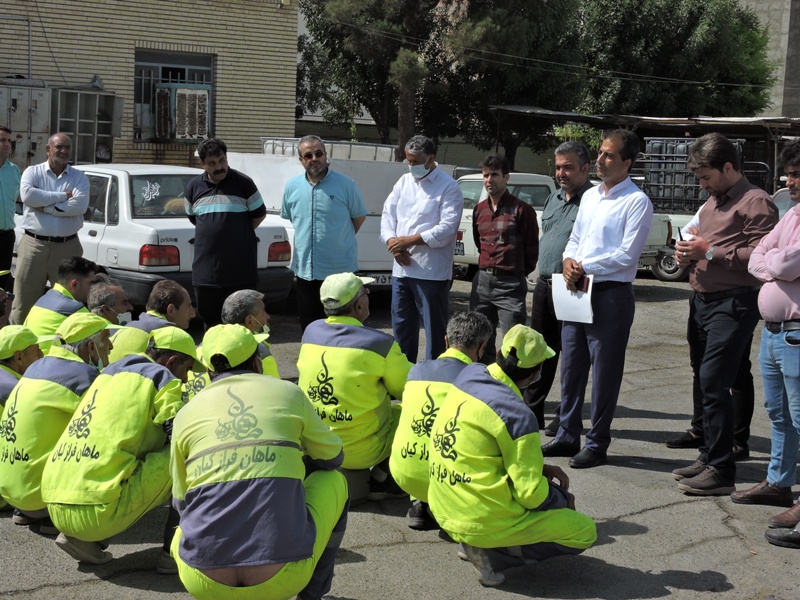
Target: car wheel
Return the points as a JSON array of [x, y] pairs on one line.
[[668, 269]]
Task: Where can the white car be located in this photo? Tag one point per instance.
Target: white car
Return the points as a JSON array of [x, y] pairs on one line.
[[136, 227], [528, 187]]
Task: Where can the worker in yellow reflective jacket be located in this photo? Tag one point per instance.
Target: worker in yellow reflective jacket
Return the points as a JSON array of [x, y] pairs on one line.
[[489, 486]]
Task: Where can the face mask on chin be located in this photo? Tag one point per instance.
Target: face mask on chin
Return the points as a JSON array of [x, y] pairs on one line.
[[97, 365], [124, 318], [264, 327]]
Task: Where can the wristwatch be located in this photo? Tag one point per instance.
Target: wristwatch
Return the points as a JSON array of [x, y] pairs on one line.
[[710, 253]]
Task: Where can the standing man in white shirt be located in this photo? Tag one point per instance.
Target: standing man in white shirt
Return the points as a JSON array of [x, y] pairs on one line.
[[9, 190], [419, 226], [610, 232], [54, 197]]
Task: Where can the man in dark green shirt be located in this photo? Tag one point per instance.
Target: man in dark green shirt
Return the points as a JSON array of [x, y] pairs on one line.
[[558, 217]]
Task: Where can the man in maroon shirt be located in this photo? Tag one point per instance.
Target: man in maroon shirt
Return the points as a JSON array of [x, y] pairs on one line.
[[507, 238], [724, 305]]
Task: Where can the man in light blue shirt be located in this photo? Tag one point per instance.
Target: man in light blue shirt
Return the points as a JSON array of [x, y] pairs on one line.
[[54, 197], [9, 190], [610, 232], [327, 210], [419, 225]]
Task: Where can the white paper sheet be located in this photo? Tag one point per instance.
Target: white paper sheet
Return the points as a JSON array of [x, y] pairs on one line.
[[572, 306]]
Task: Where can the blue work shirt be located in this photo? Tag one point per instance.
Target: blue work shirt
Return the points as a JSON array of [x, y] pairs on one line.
[[322, 216], [9, 192]]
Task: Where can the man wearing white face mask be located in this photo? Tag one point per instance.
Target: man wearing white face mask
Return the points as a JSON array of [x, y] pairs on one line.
[[419, 225], [245, 307], [110, 302]]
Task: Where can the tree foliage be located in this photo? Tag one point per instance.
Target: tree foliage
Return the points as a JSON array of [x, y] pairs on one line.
[[435, 66], [711, 42]]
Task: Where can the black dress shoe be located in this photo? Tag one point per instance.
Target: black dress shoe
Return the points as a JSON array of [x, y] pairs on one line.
[[556, 448], [587, 458], [740, 453], [552, 428], [689, 439], [785, 537]]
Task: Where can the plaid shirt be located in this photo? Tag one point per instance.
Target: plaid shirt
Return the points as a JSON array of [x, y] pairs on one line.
[[508, 238]]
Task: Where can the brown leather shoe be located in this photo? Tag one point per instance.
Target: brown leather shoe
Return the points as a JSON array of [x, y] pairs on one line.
[[764, 493], [788, 518]]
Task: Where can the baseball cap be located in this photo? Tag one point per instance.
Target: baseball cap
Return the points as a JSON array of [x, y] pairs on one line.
[[16, 338], [235, 342], [81, 325], [339, 289], [177, 340], [531, 349]]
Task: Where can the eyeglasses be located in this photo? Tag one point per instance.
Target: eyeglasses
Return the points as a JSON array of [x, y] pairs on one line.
[[315, 154]]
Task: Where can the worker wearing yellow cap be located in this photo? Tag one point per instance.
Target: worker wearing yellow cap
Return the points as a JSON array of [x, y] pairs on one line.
[[489, 487], [111, 464], [351, 373], [40, 408], [263, 508], [19, 349]]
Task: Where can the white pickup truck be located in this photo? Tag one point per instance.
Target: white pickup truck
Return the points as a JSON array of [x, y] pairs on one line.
[[136, 227], [534, 189]]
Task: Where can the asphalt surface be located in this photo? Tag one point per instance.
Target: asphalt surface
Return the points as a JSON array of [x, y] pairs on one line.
[[653, 541]]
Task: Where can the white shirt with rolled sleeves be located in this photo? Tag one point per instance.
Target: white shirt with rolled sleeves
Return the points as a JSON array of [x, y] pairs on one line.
[[431, 207], [46, 208], [610, 231]]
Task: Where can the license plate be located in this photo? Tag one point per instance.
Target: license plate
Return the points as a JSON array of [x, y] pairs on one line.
[[459, 248], [380, 278]]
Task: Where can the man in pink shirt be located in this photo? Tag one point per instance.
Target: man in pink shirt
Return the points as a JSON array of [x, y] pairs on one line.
[[776, 262]]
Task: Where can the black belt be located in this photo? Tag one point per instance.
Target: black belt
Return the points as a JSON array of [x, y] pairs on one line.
[[778, 326], [601, 286], [51, 238], [547, 280], [737, 291]]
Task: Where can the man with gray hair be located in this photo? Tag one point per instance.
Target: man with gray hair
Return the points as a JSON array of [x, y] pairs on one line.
[[246, 308], [110, 301], [327, 210], [558, 216], [419, 225], [428, 382]]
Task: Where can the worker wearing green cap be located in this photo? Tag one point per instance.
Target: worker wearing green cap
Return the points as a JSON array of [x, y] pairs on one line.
[[489, 486], [19, 349], [263, 508], [111, 464], [40, 408]]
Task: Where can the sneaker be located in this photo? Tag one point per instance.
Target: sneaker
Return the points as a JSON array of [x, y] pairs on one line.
[[692, 470], [166, 565], [480, 561], [690, 439], [420, 518], [88, 552], [385, 490], [46, 527], [17, 518], [708, 483]]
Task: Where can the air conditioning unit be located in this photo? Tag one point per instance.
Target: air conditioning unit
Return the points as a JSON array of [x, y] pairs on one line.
[[182, 111]]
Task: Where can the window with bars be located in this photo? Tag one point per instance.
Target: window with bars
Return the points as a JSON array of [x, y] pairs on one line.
[[172, 96]]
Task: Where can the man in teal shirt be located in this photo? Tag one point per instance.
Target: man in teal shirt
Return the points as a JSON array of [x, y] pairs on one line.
[[9, 192], [326, 210]]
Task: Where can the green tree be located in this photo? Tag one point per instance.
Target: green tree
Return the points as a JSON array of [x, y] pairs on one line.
[[717, 45], [365, 53], [512, 52]]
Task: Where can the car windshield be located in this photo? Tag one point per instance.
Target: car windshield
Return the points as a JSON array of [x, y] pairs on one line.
[[159, 195], [472, 191]]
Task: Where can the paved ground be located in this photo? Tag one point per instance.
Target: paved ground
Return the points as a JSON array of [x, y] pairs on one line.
[[654, 542]]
